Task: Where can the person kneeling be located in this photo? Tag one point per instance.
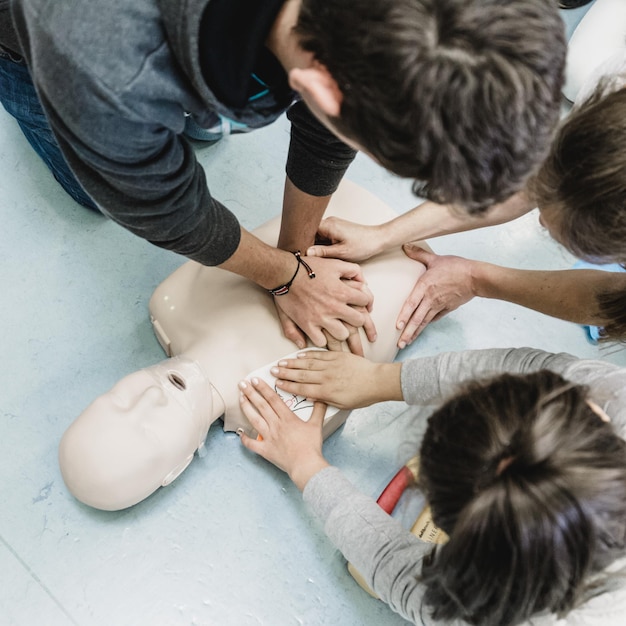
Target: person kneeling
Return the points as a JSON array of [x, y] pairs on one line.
[[524, 472]]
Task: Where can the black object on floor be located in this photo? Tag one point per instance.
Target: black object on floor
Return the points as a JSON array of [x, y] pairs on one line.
[[572, 4]]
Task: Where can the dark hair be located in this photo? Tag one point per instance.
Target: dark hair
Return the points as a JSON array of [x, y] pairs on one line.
[[530, 485], [612, 307], [460, 95], [581, 189], [582, 183]]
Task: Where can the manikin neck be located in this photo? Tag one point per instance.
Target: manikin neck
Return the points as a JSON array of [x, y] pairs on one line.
[[217, 404]]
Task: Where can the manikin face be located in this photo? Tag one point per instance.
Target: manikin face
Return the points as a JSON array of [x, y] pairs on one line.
[[138, 436]]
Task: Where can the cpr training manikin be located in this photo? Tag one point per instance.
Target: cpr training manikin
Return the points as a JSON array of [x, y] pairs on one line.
[[216, 328]]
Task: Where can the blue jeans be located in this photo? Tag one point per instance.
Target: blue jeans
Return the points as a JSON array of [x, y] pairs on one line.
[[19, 98]]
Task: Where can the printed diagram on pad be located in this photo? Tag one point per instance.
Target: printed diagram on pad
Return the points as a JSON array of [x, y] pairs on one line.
[[295, 402], [301, 406]]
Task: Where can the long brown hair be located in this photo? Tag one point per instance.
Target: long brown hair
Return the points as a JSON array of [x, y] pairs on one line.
[[584, 178], [582, 185], [530, 485]]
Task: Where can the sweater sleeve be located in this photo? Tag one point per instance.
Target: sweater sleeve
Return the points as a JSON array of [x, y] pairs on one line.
[[119, 121], [317, 160], [430, 380], [385, 554]]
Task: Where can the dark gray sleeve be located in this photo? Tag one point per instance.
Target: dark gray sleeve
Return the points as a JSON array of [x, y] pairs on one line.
[[8, 38], [317, 160], [167, 202], [387, 556], [125, 145]]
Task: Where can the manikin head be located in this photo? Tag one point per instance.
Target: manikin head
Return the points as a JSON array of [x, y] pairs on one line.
[[529, 482], [138, 436]]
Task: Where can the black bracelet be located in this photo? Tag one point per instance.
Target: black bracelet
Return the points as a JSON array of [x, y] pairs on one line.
[[284, 289]]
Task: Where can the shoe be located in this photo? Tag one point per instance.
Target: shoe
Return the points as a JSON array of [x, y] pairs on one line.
[[572, 4], [219, 127]]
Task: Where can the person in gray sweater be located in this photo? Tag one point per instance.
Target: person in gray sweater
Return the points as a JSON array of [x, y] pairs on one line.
[[523, 465], [462, 97]]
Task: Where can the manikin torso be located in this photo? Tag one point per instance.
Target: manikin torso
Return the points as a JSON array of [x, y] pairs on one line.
[[229, 325], [219, 327]]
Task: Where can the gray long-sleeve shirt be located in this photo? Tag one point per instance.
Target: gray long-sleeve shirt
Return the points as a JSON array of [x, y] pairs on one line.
[[117, 80], [387, 555]]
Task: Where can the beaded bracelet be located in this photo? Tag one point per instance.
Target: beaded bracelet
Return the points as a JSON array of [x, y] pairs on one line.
[[284, 289]]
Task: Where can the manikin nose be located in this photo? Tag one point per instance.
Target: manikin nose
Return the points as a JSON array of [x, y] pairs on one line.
[[151, 397]]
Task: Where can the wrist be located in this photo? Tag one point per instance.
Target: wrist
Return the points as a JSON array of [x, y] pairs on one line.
[[480, 279], [283, 289], [387, 385], [280, 269], [306, 468], [288, 244], [261, 263], [381, 384], [389, 235]]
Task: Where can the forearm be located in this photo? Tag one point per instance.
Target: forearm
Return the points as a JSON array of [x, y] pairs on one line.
[[301, 217], [430, 219], [265, 265], [567, 294], [386, 384], [385, 554], [316, 163], [304, 471]]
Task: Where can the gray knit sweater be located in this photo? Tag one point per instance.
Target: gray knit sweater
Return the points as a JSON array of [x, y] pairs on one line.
[[117, 80]]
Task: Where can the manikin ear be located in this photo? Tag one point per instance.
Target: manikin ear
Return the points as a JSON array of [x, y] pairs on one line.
[[316, 84]]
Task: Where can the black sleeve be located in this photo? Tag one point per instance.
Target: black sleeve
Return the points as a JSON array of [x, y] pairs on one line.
[[317, 159], [8, 37]]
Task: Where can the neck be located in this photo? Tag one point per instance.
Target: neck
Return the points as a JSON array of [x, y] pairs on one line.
[[218, 404]]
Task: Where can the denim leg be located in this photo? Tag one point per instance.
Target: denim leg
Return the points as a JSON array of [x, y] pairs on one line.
[[19, 98]]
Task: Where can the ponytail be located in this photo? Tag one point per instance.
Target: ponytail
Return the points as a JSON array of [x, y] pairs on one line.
[[507, 559], [540, 506]]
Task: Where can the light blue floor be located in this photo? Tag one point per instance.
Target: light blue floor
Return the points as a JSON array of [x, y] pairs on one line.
[[230, 541]]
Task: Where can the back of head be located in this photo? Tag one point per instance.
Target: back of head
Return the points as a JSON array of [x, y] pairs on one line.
[[581, 189], [460, 95], [582, 184], [530, 485]]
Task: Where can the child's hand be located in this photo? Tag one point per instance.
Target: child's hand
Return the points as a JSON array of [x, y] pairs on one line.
[[342, 379], [285, 440]]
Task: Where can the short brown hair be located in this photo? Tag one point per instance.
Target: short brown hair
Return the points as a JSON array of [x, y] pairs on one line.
[[460, 95]]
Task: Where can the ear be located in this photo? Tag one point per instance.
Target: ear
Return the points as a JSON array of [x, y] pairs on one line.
[[317, 83]]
